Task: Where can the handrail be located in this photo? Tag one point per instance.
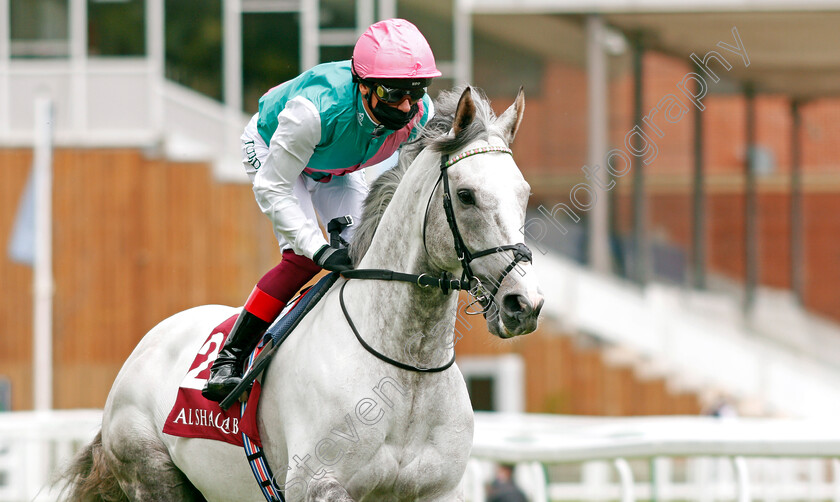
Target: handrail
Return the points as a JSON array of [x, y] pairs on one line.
[[510, 437], [739, 443], [31, 442]]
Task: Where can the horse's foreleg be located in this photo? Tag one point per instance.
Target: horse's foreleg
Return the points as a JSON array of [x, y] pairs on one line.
[[327, 489]]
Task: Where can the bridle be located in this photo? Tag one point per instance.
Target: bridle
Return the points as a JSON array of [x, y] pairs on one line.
[[446, 282], [521, 252]]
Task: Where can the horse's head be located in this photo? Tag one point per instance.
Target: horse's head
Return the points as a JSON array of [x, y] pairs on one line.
[[487, 197]]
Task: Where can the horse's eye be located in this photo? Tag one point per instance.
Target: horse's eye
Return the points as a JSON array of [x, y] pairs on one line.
[[466, 197]]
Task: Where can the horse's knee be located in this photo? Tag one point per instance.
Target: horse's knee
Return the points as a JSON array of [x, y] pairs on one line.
[[327, 490]]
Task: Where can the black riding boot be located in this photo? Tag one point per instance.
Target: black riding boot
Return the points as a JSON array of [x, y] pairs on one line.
[[226, 372]]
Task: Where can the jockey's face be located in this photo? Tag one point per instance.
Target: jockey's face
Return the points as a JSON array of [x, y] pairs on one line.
[[404, 105]]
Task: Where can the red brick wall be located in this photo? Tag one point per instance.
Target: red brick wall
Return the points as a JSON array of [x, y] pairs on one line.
[[551, 149], [820, 136], [132, 246], [822, 253]]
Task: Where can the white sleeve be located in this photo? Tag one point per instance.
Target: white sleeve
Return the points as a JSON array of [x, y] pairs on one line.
[[298, 132]]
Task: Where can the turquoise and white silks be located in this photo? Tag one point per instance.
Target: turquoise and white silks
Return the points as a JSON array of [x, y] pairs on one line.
[[307, 129]]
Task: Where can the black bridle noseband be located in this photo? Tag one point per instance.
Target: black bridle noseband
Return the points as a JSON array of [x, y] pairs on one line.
[[446, 282]]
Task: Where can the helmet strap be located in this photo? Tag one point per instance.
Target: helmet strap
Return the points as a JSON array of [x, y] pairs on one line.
[[356, 78]]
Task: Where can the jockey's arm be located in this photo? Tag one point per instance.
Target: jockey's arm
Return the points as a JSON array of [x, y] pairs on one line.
[[292, 144]]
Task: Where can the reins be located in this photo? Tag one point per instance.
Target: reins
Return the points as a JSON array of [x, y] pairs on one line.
[[446, 282], [380, 355]]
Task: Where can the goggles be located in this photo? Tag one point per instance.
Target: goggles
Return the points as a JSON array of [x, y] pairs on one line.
[[393, 95]]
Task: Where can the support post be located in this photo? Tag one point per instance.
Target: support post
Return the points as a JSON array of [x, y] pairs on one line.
[[387, 9], [232, 56], [462, 39], [310, 48], [750, 202], [626, 482], [155, 52], [78, 105], [698, 213], [596, 75], [43, 278], [797, 236], [232, 60], [742, 475], [364, 15], [5, 55], [640, 265]]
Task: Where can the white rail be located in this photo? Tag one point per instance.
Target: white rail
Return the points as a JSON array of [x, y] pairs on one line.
[[558, 458], [34, 446], [658, 458]]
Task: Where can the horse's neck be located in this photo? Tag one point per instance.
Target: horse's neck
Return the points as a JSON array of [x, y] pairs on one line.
[[407, 320]]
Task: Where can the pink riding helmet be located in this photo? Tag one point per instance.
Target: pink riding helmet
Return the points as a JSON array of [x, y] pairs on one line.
[[394, 49]]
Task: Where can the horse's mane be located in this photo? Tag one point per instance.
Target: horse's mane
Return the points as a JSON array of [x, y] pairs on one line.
[[436, 136]]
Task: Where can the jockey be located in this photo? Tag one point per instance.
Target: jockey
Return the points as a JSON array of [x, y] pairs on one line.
[[303, 151]]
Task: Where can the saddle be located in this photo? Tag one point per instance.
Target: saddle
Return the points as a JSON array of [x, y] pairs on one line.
[[288, 319], [276, 334], [193, 416]]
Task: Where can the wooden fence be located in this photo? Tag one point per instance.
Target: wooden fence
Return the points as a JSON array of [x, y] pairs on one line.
[[138, 239], [135, 241]]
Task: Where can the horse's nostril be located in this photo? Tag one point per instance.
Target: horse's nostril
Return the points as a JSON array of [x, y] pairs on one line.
[[517, 306]]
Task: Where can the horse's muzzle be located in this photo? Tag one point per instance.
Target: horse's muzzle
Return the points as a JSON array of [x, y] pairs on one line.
[[519, 315]]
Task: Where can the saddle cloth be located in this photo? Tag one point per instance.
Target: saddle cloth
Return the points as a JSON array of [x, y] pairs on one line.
[[193, 416]]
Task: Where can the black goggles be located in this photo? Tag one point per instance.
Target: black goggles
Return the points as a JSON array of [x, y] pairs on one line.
[[395, 95]]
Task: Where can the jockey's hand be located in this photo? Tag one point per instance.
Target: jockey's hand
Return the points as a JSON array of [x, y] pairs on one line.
[[333, 259]]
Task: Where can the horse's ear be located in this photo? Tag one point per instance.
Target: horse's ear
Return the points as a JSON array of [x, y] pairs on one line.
[[510, 120], [465, 113]]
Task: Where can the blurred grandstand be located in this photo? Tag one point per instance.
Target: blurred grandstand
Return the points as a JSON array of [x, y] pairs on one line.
[[704, 275]]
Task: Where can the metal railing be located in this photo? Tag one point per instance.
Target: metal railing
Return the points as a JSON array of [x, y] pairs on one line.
[[701, 479], [35, 445], [557, 458], [121, 103], [703, 459]]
